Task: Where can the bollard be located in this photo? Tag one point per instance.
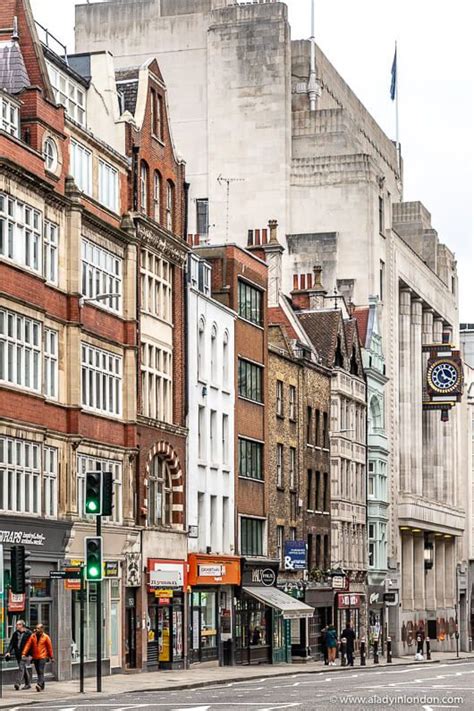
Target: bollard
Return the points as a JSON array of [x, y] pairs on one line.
[[343, 652], [376, 652], [389, 650], [362, 652], [428, 649]]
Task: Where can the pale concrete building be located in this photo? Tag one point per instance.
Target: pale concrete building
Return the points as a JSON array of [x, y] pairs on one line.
[[238, 90]]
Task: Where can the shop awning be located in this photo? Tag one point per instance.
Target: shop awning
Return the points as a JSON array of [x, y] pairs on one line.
[[288, 605]]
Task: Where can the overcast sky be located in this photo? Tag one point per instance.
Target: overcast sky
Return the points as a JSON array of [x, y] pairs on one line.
[[436, 95]]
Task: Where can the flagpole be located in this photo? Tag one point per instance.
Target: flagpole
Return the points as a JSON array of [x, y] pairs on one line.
[[397, 117]]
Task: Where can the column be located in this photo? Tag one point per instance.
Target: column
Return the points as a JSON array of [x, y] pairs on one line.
[[405, 389], [450, 570], [430, 587], [438, 433], [407, 571], [416, 397], [429, 419], [419, 571], [440, 565]]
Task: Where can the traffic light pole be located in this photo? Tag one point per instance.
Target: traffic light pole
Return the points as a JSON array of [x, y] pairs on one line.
[[98, 587], [81, 632]]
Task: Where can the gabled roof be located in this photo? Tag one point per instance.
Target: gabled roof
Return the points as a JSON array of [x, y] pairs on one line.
[[323, 328], [361, 315], [13, 74]]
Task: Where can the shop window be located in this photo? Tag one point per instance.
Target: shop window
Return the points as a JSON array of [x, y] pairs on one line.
[[160, 494]]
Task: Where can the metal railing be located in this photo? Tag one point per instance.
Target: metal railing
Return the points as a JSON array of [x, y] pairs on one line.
[[51, 42]]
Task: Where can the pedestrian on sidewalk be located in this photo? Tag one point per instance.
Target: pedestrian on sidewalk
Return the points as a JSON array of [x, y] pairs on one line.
[[16, 646], [324, 645], [420, 640], [40, 648], [349, 635], [331, 644]]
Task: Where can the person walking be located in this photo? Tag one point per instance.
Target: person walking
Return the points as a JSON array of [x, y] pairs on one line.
[[16, 648], [331, 644], [420, 639], [349, 635], [324, 645], [40, 648]]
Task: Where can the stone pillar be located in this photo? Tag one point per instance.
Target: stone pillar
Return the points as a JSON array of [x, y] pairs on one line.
[[416, 397], [440, 573], [450, 572], [407, 571], [419, 571], [405, 390], [430, 586], [429, 418], [438, 431]]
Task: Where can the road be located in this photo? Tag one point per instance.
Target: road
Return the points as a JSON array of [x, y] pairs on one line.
[[425, 687]]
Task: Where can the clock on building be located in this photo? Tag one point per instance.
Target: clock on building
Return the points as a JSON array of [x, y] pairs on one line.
[[444, 376]]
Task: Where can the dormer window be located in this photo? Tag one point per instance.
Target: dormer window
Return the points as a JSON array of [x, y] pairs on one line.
[[9, 116], [50, 155], [69, 93]]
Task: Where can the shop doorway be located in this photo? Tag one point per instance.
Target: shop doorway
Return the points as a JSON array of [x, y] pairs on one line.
[[203, 626], [130, 630], [253, 632], [165, 633]]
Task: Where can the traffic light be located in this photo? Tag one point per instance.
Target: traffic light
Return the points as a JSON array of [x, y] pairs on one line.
[[93, 557], [19, 569], [107, 493], [93, 498]]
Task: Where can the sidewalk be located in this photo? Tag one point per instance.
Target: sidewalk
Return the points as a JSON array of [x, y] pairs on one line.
[[198, 676]]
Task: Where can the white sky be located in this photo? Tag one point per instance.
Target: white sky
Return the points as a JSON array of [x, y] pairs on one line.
[[436, 95]]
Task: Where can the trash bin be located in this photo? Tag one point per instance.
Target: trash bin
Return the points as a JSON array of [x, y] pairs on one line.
[[228, 653]]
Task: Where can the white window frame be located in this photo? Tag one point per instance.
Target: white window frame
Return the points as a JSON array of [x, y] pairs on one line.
[[279, 398], [160, 494], [292, 469], [279, 465], [20, 233], [170, 193], [68, 93], [51, 155], [50, 482], [101, 380], [292, 403], [87, 463], [51, 341], [20, 350], [157, 381], [9, 116], [50, 251], [225, 360], [157, 196], [101, 274], [81, 166], [144, 187], [225, 440], [108, 185], [156, 276], [20, 476], [214, 370]]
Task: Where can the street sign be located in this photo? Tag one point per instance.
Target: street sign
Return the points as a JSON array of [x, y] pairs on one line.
[[57, 574], [68, 574]]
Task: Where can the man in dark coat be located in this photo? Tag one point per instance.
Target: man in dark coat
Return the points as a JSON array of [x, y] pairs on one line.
[[17, 644], [349, 636]]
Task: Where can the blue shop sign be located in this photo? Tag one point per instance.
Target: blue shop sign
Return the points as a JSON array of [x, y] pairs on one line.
[[295, 555]]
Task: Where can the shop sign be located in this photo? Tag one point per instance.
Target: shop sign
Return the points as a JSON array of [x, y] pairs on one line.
[[390, 598], [339, 582], [45, 536], [164, 593], [111, 569], [211, 571], [16, 602], [165, 574], [345, 600], [164, 601], [208, 570], [264, 576], [295, 555]]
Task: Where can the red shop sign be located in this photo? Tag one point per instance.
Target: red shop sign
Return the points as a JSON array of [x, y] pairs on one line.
[[345, 600], [16, 602]]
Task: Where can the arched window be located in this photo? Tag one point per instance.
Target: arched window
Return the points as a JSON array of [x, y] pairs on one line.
[[201, 354], [214, 353], [170, 206], [375, 414], [157, 197], [160, 494], [144, 187], [225, 360]]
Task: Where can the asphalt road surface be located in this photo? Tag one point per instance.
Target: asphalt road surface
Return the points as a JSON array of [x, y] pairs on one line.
[[426, 687]]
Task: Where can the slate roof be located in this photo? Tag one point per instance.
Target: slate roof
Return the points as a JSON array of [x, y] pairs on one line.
[[13, 75], [127, 85], [322, 328]]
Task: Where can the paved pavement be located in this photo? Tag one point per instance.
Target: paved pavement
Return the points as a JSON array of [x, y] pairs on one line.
[[401, 685]]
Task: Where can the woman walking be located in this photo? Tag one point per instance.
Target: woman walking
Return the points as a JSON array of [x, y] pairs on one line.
[[331, 644]]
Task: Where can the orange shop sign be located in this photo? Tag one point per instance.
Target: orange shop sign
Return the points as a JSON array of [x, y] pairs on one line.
[[213, 570]]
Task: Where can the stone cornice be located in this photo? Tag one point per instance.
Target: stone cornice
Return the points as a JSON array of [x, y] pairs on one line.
[[165, 243]]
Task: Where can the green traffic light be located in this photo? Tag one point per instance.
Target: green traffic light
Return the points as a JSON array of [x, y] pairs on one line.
[[92, 506], [94, 572]]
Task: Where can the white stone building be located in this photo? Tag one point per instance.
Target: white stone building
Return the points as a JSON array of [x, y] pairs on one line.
[[238, 92]]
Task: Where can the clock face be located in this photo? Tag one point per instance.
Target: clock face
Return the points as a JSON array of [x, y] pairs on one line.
[[444, 376]]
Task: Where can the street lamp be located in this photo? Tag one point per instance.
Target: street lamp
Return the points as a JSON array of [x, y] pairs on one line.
[[100, 297]]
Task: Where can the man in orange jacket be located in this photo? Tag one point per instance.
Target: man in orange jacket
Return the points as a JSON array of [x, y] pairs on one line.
[[40, 648]]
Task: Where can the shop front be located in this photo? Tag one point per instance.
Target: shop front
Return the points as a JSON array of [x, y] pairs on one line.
[[349, 610], [166, 586], [264, 616], [45, 542], [321, 599], [211, 580], [376, 616]]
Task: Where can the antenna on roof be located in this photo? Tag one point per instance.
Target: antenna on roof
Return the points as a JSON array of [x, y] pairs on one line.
[[228, 181], [15, 35]]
